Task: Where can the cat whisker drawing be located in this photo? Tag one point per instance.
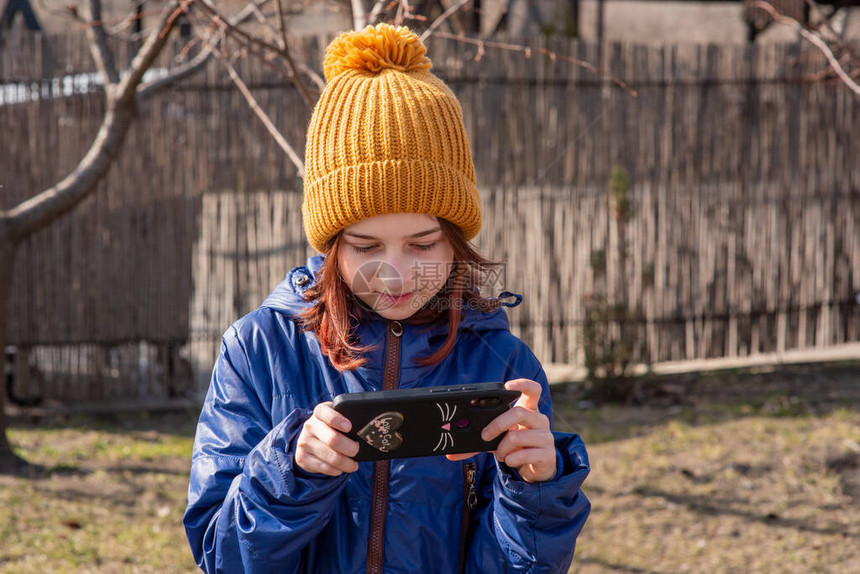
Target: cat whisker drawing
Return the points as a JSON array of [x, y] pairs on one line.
[[444, 441]]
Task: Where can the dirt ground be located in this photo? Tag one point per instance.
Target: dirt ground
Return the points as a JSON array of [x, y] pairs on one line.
[[109, 497], [723, 472]]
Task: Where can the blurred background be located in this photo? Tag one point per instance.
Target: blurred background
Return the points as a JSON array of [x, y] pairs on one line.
[[674, 186]]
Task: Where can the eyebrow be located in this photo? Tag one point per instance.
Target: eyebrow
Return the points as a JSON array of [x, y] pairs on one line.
[[414, 235]]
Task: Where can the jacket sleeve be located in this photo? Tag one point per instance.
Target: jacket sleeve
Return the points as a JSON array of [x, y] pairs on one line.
[[250, 509], [531, 527]]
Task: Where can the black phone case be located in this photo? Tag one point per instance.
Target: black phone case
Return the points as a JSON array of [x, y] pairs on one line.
[[430, 421]]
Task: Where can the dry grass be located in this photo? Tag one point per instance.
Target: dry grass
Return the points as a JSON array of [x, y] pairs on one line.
[[110, 498], [734, 472], [749, 473]]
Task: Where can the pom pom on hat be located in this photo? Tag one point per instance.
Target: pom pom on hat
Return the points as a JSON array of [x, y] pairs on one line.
[[374, 49]]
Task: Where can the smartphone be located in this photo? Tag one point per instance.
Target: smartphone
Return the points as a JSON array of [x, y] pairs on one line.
[[429, 421]]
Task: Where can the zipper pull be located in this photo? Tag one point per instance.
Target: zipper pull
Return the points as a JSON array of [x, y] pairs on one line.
[[396, 328], [472, 496]]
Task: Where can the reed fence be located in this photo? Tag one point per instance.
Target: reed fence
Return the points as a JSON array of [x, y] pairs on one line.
[[714, 214]]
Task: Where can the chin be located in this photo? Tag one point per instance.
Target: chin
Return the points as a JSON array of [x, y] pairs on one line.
[[397, 314]]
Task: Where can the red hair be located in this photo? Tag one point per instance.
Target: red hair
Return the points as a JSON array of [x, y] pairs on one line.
[[336, 311]]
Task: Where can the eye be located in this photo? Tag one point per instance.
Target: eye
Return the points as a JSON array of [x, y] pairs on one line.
[[363, 248], [425, 246]]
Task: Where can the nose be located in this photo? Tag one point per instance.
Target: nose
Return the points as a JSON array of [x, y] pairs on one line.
[[391, 274]]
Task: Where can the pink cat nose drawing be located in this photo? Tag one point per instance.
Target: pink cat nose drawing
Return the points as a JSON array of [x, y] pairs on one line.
[[446, 426]]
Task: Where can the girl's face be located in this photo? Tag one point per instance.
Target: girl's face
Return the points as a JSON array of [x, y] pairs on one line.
[[395, 263]]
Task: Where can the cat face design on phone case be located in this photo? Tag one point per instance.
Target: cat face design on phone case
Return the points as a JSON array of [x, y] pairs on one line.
[[446, 439]]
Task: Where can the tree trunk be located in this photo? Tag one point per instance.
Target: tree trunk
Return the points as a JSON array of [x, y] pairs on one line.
[[10, 463], [48, 206], [122, 92], [38, 212]]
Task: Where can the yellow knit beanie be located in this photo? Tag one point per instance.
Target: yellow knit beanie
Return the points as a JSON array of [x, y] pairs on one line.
[[386, 136]]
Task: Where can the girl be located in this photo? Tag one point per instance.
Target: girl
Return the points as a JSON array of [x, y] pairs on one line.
[[391, 203]]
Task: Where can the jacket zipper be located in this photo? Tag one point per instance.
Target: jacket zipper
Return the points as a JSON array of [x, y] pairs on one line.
[[470, 501], [393, 331]]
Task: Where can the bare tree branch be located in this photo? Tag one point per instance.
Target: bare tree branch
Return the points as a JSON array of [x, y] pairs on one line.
[[296, 77], [292, 66], [118, 29], [127, 88], [527, 51], [814, 40], [284, 51], [35, 213], [275, 34], [282, 26], [148, 89], [402, 12], [251, 40], [320, 83], [69, 11], [102, 54], [252, 102], [375, 12], [31, 215], [442, 17], [359, 15], [315, 78], [199, 61]]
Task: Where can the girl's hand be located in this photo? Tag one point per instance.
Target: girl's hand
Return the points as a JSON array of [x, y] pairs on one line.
[[529, 446], [321, 449]]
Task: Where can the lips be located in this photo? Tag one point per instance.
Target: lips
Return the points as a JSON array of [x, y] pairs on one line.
[[396, 299]]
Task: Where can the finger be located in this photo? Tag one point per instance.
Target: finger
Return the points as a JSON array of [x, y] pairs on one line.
[[514, 418], [331, 438], [461, 456], [329, 456], [331, 417], [531, 391], [320, 441], [312, 463], [524, 439], [536, 458], [340, 463]]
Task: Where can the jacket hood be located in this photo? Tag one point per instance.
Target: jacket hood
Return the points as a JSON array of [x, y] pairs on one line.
[[287, 298]]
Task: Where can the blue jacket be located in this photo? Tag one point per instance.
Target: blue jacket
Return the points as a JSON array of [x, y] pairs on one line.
[[252, 509]]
